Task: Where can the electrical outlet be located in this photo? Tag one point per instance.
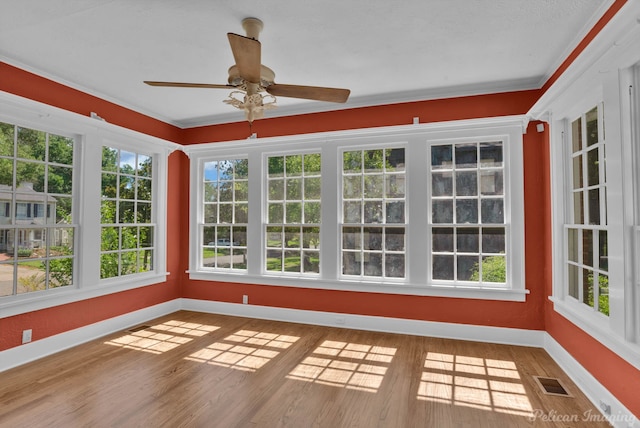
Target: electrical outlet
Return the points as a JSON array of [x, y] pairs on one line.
[[26, 336], [245, 299], [606, 408]]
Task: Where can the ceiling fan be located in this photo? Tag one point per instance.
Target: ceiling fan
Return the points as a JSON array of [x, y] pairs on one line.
[[254, 89]]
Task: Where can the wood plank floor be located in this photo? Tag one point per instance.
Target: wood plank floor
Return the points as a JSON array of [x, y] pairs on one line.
[[201, 370]]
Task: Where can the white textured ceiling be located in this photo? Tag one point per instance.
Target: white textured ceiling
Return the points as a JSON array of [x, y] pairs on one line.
[[384, 51]]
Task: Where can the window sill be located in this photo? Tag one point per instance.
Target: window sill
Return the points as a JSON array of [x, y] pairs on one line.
[[365, 286], [34, 301], [592, 324]]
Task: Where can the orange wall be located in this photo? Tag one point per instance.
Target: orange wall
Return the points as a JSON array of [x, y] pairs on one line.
[[441, 110], [28, 85]]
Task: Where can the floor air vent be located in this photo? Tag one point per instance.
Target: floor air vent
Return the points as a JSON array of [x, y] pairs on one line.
[[138, 328], [551, 386]]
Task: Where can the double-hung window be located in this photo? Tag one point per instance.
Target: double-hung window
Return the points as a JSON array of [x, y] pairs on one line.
[[434, 209], [373, 213], [36, 170], [127, 227], [293, 213], [586, 228], [225, 214], [468, 228]]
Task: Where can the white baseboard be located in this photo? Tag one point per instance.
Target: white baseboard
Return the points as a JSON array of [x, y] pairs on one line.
[[510, 336], [28, 352], [619, 415]]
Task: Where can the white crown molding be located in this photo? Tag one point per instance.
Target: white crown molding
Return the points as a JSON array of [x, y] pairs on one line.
[[580, 35], [614, 47], [88, 91], [14, 105]]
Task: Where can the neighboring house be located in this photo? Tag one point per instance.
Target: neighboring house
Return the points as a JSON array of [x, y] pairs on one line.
[[32, 208]]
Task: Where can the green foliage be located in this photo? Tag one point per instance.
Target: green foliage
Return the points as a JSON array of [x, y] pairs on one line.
[[24, 252], [33, 282], [603, 297], [494, 269]]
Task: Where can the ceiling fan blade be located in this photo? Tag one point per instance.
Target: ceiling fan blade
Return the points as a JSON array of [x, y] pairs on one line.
[[246, 52], [318, 93], [188, 85]]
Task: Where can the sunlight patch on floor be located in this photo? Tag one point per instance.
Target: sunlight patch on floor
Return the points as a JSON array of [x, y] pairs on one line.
[[162, 337], [348, 365], [245, 350], [482, 383]]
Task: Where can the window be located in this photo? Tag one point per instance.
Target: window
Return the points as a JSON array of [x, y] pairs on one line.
[[225, 211], [293, 207], [36, 168], [127, 230], [373, 213], [433, 209], [467, 212], [586, 228]]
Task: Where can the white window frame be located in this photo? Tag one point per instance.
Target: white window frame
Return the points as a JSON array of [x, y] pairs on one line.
[[90, 135], [415, 138]]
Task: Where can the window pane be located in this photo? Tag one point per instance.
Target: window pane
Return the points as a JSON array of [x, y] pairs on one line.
[[587, 287], [467, 268], [373, 238], [442, 184], [466, 211], [577, 172], [466, 183], [352, 186], [572, 244], [6, 139], [276, 166], [492, 211], [394, 239], [492, 183], [443, 267], [293, 166], [6, 178], [592, 126], [441, 157], [493, 240], [603, 251], [587, 247], [491, 154], [312, 188], [394, 265], [293, 212], [352, 212], [373, 212], [395, 212], [603, 294], [311, 237], [351, 238], [574, 281], [442, 211], [593, 167], [31, 144], [352, 162], [312, 164], [373, 161], [373, 186], [60, 149], [442, 239], [594, 206], [294, 188], [276, 190], [372, 264], [466, 156], [351, 263], [311, 262], [578, 208], [494, 269], [468, 240], [576, 135]]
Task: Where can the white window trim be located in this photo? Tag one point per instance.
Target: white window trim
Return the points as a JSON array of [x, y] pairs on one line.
[[508, 129], [90, 134], [604, 73]]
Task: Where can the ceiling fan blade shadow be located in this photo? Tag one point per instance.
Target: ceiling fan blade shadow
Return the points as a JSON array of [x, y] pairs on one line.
[[188, 85], [318, 93], [247, 54]]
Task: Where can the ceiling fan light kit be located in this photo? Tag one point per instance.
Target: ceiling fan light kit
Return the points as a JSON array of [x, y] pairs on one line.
[[253, 84]]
